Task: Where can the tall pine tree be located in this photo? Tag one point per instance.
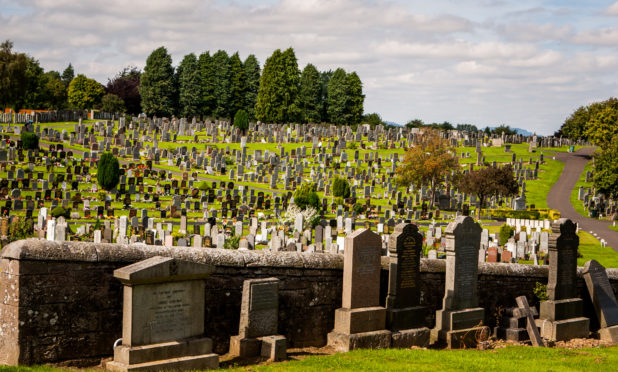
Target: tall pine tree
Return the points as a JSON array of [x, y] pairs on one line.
[[356, 98], [310, 94], [208, 83], [237, 86], [189, 87], [338, 98], [277, 100], [325, 79], [157, 86], [221, 78], [252, 84]]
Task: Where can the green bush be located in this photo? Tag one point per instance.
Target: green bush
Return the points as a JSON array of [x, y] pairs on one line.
[[60, 211], [338, 201], [505, 233], [29, 141], [305, 196], [352, 145], [341, 187], [503, 214], [241, 120], [358, 208], [540, 291], [232, 242], [112, 103], [204, 186], [21, 229], [108, 171]]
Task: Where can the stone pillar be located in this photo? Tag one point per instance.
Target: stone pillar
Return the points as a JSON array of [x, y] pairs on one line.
[[560, 316], [404, 317], [460, 322], [360, 322]]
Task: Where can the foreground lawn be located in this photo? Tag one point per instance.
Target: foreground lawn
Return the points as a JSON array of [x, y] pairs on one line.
[[590, 248], [513, 358]]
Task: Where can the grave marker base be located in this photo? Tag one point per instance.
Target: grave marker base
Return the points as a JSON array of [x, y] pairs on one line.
[[274, 347], [406, 318], [344, 342], [364, 319], [459, 339], [407, 338], [563, 330], [192, 354], [609, 334]]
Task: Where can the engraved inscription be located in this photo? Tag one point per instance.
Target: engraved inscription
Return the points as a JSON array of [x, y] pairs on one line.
[[406, 262], [366, 260], [170, 311], [263, 297]]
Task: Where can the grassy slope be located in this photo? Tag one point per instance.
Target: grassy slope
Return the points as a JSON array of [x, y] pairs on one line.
[[537, 190], [590, 248]]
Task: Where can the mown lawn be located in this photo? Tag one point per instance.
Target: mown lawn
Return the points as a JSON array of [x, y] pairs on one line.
[[590, 248], [512, 358]]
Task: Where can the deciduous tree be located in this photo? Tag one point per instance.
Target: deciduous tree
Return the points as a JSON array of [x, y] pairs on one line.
[[427, 163], [487, 182], [126, 86], [85, 93], [112, 103], [606, 169]]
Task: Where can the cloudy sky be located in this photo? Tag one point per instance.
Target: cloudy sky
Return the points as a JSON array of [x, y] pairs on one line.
[[523, 63]]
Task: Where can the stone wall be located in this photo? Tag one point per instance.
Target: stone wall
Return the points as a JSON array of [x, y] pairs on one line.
[[60, 301]]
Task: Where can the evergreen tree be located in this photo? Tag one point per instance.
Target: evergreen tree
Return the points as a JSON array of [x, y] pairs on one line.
[[310, 94], [356, 98], [157, 86], [338, 98], [241, 120], [277, 99], [325, 79], [221, 77], [252, 84], [237, 85], [208, 83], [108, 171], [189, 87], [13, 78], [68, 75]]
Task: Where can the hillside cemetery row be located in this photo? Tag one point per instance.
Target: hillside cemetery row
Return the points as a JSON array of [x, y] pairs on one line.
[[202, 183]]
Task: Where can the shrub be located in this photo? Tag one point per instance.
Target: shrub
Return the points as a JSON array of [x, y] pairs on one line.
[[540, 291], [341, 187], [505, 233], [204, 186], [21, 229], [305, 196], [112, 103], [352, 145], [60, 211], [29, 141], [358, 208], [508, 213], [101, 195], [339, 201], [232, 242], [108, 171], [241, 120]]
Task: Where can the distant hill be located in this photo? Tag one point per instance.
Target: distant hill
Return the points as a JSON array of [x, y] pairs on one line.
[[523, 132], [393, 123]]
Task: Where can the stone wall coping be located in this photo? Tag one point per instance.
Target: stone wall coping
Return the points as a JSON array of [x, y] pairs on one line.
[[44, 250]]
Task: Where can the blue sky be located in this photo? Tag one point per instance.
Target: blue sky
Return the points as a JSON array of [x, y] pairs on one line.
[[524, 63]]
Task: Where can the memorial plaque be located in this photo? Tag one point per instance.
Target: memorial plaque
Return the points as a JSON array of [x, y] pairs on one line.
[[260, 308], [404, 246]]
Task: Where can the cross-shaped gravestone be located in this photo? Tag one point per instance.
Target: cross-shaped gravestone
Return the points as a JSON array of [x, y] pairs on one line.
[[533, 331]]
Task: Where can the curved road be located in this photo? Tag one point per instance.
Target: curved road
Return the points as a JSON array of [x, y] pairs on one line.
[[560, 194]]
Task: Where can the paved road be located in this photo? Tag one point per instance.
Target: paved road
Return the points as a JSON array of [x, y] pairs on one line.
[[560, 194]]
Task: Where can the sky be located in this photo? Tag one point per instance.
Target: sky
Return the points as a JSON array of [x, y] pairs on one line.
[[527, 64]]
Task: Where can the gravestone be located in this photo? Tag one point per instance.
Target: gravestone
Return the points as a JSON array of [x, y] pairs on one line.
[[360, 322], [163, 317], [460, 322], [404, 317], [259, 314], [603, 299], [560, 316]]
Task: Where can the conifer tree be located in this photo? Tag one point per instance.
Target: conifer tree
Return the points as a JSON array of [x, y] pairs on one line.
[[310, 94], [338, 98], [252, 84], [237, 85], [277, 100], [189, 87], [221, 80], [157, 86], [356, 98], [208, 83]]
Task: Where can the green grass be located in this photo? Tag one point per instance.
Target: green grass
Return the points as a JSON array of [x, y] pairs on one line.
[[590, 248], [615, 228], [512, 358], [537, 190]]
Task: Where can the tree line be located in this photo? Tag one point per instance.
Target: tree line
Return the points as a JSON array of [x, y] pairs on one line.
[[215, 86], [220, 85]]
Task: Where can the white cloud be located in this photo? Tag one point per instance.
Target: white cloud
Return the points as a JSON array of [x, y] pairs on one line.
[[477, 61]]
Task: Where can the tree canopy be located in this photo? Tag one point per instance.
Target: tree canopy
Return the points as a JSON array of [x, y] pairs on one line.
[[345, 98], [205, 65], [13, 77], [189, 87], [85, 93], [277, 99], [221, 78], [489, 181], [126, 86], [606, 169], [252, 84], [596, 123], [157, 84], [427, 163], [310, 94]]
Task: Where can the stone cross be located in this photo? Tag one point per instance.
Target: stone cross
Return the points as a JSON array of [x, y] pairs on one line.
[[533, 331]]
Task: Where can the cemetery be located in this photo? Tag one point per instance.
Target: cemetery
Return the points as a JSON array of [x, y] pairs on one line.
[[216, 244]]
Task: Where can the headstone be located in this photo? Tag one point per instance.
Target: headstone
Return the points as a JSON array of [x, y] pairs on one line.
[[163, 313], [404, 315], [459, 323], [259, 314], [560, 316], [360, 321], [604, 300]]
